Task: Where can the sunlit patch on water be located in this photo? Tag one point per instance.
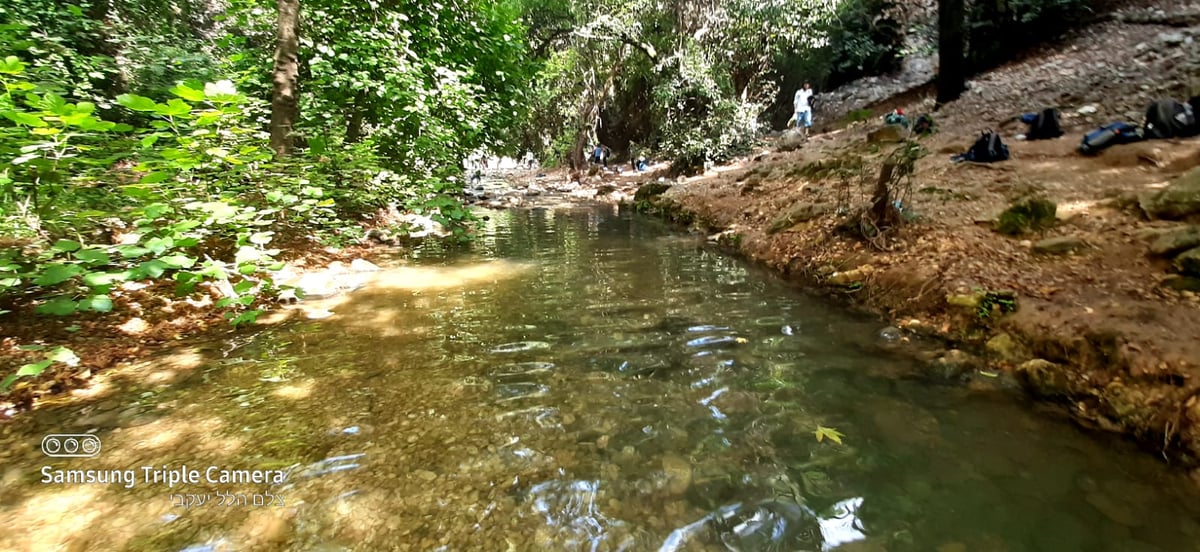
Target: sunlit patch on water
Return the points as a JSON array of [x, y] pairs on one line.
[[521, 346]]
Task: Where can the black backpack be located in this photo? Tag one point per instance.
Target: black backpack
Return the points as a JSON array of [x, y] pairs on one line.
[[1045, 125], [987, 149], [1168, 118]]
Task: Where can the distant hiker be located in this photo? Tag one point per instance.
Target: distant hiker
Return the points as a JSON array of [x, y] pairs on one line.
[[802, 105], [600, 155], [528, 160]]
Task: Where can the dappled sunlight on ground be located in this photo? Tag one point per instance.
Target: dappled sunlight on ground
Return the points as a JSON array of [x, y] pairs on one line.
[[57, 517], [295, 391], [434, 277]]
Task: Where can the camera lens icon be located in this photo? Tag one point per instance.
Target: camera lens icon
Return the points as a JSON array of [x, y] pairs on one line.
[[71, 446]]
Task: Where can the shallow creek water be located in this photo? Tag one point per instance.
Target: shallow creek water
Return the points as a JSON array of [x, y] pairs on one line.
[[576, 380]]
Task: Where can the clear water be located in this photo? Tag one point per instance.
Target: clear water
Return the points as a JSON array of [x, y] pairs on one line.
[[578, 380]]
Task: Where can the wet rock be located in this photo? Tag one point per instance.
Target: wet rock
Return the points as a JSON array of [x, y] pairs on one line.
[[970, 301], [1005, 348], [424, 475], [1180, 199], [1027, 215], [363, 265], [952, 364], [890, 334], [1044, 378], [1115, 510], [1089, 109], [1059, 246], [850, 277], [1176, 240], [885, 135], [1181, 283], [802, 212], [1188, 263], [678, 472], [648, 192]]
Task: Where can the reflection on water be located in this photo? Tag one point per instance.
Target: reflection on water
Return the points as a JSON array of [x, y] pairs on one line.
[[579, 380]]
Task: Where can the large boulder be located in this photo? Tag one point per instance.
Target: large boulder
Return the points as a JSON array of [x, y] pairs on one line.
[[1179, 200], [792, 139], [1176, 240], [1189, 262], [886, 134]]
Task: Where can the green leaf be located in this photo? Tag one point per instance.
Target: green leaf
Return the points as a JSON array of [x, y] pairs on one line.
[[32, 347], [93, 257], [11, 65], [66, 246], [97, 303], [248, 317], [156, 210], [174, 108], [178, 261], [152, 268], [64, 355], [131, 251], [247, 269], [155, 177], [159, 245], [823, 433], [261, 238], [24, 119], [137, 103], [59, 306], [33, 369], [101, 279], [57, 273], [188, 93], [243, 286], [148, 141]]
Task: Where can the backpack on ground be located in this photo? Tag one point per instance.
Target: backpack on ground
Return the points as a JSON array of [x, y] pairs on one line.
[[1109, 135], [1044, 125], [924, 125], [987, 149], [1168, 118]]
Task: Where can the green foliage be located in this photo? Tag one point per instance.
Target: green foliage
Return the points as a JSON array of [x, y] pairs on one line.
[[58, 354]]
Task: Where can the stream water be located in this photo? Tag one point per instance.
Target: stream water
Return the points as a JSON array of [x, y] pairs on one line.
[[575, 380]]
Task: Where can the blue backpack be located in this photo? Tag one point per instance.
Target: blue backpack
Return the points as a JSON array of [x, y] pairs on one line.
[[1109, 135]]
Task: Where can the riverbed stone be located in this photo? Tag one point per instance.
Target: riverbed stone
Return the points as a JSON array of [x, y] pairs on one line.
[[1007, 349], [678, 472], [363, 265], [1113, 509], [1043, 378], [850, 277], [969, 301], [1059, 246], [1188, 262]]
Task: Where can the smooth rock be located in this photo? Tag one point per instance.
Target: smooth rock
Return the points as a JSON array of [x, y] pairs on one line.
[[678, 472], [1188, 262], [425, 475], [1059, 246], [363, 265], [1179, 200], [886, 134], [1176, 240]]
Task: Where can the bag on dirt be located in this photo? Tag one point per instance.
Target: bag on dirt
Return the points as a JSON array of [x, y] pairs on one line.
[[924, 125], [987, 149], [1168, 118], [1044, 125], [896, 118], [1109, 135]]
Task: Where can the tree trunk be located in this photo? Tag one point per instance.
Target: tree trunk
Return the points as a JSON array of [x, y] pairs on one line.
[[285, 107], [355, 121], [952, 74]]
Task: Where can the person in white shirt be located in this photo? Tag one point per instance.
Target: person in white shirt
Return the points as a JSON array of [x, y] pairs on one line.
[[803, 106]]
